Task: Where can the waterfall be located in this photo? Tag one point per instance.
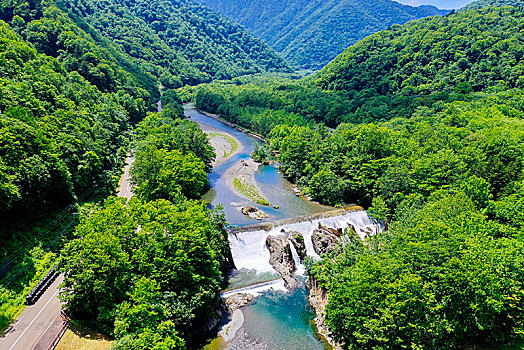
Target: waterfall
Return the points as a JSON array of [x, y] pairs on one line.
[[300, 267], [249, 248], [257, 289]]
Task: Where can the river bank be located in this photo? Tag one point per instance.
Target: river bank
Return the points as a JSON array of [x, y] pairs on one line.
[[224, 144], [318, 299], [239, 128]]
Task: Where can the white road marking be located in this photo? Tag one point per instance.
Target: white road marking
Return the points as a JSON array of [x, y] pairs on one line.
[[34, 319]]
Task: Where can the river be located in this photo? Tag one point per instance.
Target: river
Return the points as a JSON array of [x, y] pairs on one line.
[[276, 189], [278, 319]]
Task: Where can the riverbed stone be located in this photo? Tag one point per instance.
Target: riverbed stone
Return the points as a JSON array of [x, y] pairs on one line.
[[281, 259], [238, 300], [325, 239], [254, 212]]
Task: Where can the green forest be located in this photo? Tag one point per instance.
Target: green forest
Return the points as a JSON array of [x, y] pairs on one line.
[[73, 102], [428, 134], [177, 42], [309, 34], [421, 124], [492, 3], [149, 273]]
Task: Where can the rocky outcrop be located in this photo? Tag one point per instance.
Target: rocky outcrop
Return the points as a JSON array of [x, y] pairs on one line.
[[325, 239], [254, 213], [297, 239], [281, 259], [318, 299], [238, 300]]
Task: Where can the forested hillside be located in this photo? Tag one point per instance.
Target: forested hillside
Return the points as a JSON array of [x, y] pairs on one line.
[[389, 74], [63, 118], [429, 136], [468, 50], [70, 98], [309, 34], [492, 3], [177, 41]]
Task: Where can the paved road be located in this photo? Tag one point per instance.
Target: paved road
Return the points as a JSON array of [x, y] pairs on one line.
[[37, 324], [125, 189]]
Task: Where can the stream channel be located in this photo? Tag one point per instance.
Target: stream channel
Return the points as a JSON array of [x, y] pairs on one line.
[[278, 319]]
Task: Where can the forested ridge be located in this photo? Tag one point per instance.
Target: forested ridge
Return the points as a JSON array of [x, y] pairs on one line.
[[178, 42], [480, 48], [309, 34], [491, 3], [70, 100], [428, 134]]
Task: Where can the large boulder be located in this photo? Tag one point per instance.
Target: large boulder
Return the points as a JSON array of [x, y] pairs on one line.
[[325, 239], [297, 239], [281, 259], [237, 300]]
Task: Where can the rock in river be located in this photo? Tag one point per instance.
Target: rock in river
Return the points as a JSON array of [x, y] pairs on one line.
[[297, 239], [238, 300], [254, 213], [325, 239], [281, 259]]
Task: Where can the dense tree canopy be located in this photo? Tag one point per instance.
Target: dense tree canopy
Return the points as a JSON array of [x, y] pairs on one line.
[[309, 34], [443, 276], [142, 270], [178, 42], [150, 271], [475, 5], [60, 132], [480, 48]]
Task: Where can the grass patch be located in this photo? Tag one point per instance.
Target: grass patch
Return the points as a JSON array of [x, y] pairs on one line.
[[81, 338], [230, 140], [249, 191]]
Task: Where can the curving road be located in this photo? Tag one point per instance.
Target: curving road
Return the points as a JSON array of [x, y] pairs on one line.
[[126, 188]]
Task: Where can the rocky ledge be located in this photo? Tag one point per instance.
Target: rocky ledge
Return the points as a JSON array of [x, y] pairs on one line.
[[281, 259], [325, 239], [238, 300], [318, 299]]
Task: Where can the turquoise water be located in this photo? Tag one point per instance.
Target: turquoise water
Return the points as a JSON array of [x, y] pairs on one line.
[[283, 321]]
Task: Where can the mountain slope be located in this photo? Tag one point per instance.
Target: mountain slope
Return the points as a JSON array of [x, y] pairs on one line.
[[179, 41], [308, 33], [492, 3], [471, 49]]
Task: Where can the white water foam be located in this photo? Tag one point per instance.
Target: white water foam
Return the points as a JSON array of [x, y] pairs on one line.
[[249, 248], [258, 288], [301, 269]]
